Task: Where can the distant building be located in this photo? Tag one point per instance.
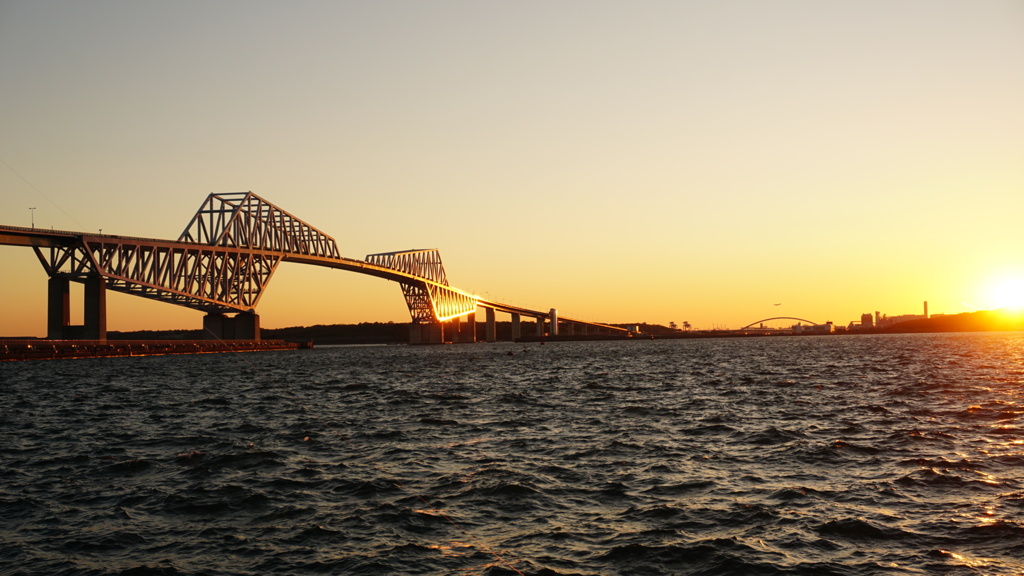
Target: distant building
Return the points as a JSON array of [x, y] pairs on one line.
[[825, 328], [884, 320]]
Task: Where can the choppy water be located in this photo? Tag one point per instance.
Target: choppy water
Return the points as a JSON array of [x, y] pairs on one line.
[[812, 456]]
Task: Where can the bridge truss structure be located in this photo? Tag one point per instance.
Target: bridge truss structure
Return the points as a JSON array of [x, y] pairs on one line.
[[221, 264], [427, 301]]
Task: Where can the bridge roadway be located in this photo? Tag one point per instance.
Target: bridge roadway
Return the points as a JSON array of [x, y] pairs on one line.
[[38, 238]]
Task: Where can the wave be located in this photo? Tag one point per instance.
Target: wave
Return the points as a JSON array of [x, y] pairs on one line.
[[731, 456]]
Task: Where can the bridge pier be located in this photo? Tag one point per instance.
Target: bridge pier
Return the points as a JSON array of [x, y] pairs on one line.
[[554, 322], [58, 313], [243, 326], [95, 308], [517, 328], [58, 309], [426, 333], [454, 330], [458, 330], [491, 333], [464, 329]]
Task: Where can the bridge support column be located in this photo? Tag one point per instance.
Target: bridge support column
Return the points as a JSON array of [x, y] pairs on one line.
[[464, 328], [453, 329], [243, 326], [570, 327], [540, 326], [492, 325], [95, 308], [58, 313], [213, 326], [218, 326], [554, 322], [247, 326], [426, 333], [58, 308], [517, 329], [584, 329]]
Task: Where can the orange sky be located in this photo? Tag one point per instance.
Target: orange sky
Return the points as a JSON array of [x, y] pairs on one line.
[[622, 162]]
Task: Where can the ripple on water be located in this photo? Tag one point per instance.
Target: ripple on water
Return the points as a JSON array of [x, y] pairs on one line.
[[736, 456]]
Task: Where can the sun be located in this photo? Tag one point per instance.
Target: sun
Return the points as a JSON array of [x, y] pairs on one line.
[[1007, 293]]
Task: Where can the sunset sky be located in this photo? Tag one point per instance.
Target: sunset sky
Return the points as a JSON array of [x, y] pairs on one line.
[[621, 161]]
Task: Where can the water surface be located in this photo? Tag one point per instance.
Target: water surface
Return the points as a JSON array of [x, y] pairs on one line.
[[807, 455]]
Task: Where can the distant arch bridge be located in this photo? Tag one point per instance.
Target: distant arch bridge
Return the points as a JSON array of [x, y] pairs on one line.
[[754, 324]]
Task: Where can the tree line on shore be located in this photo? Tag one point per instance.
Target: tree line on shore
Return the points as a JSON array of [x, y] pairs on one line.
[[398, 333]]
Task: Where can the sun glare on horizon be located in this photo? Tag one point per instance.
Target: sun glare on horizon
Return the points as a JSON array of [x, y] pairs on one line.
[[1007, 292]]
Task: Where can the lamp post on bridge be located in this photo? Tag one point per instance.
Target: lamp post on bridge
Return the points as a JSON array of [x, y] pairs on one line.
[[32, 210]]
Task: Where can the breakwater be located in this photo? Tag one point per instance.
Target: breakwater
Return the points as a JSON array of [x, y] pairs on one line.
[[38, 349]]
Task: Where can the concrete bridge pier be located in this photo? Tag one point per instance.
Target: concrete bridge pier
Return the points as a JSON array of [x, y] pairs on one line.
[[452, 330], [426, 333], [58, 308], [95, 308], [554, 322], [517, 328], [491, 331], [58, 314], [457, 330], [464, 329], [243, 326]]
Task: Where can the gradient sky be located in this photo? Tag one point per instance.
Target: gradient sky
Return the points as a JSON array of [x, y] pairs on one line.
[[620, 161]]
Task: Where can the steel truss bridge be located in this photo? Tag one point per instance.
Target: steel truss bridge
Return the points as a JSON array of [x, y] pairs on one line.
[[225, 258]]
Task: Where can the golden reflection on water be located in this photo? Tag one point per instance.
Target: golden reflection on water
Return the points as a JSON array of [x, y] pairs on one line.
[[453, 548], [988, 515], [965, 560], [430, 512]]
